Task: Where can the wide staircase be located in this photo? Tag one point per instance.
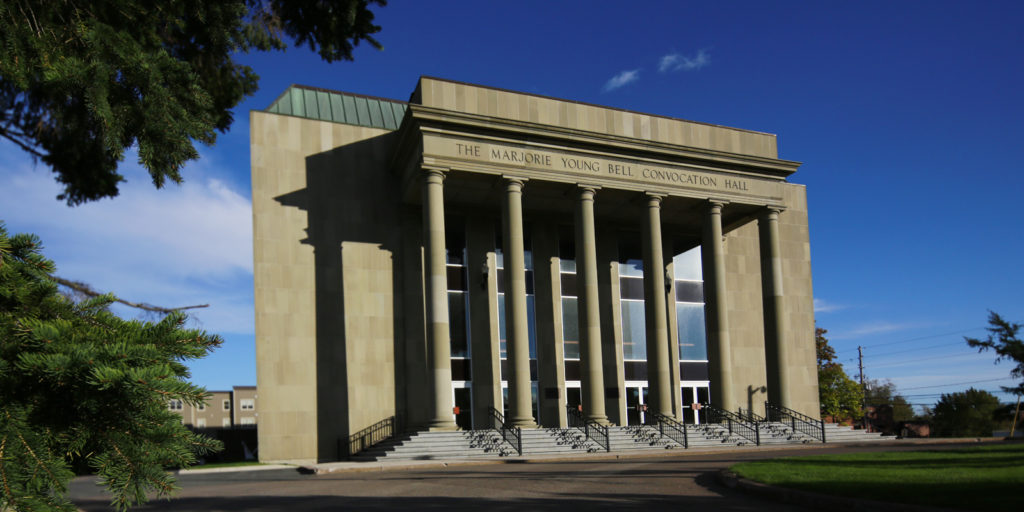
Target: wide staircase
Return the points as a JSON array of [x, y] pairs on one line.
[[845, 434], [781, 427]]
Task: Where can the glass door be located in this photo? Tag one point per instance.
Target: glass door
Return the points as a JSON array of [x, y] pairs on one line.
[[636, 403], [463, 406], [573, 394]]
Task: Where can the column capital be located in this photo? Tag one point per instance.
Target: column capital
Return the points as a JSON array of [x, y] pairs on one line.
[[518, 181], [773, 210], [434, 174], [586, 192], [653, 198], [716, 204]]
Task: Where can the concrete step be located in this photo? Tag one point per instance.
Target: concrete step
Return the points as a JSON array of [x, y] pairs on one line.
[[490, 444], [845, 434]]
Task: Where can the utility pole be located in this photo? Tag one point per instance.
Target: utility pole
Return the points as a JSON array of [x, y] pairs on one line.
[[1016, 413], [863, 390]]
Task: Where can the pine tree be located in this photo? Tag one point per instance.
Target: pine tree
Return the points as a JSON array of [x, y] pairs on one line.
[[81, 82], [79, 385]]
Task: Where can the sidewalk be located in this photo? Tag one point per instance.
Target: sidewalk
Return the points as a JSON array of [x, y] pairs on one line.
[[398, 465]]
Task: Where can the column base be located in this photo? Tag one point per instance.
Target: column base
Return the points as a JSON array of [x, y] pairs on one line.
[[600, 420], [443, 426], [524, 423]]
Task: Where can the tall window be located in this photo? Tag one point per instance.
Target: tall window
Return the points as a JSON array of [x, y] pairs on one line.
[[631, 305], [689, 287], [531, 317], [458, 298], [570, 302]]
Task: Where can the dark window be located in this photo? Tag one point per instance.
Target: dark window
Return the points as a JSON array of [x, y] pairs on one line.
[[689, 291], [456, 278], [569, 285], [631, 288]]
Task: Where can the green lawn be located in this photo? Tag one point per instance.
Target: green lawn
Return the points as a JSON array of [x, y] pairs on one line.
[[987, 477]]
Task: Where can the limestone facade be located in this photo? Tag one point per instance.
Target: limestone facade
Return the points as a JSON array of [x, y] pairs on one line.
[[475, 249]]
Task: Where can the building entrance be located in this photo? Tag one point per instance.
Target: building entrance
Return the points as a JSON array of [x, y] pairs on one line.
[[463, 405], [694, 394], [636, 403]]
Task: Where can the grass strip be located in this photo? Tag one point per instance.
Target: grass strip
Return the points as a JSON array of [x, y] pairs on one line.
[[987, 477]]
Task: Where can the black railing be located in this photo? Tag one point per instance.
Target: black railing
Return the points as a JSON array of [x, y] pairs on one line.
[[732, 421], [367, 437], [511, 435], [802, 423], [673, 429], [750, 415], [593, 430]]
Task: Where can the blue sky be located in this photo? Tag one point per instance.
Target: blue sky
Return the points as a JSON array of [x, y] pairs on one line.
[[907, 116]]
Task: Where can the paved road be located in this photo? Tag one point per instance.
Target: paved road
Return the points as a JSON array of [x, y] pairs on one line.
[[679, 482]]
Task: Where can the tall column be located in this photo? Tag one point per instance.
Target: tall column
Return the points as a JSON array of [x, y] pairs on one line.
[[658, 376], [592, 375], [775, 325], [516, 324], [438, 342], [716, 312]]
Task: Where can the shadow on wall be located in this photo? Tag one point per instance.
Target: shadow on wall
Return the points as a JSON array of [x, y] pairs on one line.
[[351, 200]]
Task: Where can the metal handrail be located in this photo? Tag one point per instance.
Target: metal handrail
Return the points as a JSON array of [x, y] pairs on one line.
[[511, 434], [736, 425], [799, 422], [751, 415], [367, 437], [674, 429], [593, 430]]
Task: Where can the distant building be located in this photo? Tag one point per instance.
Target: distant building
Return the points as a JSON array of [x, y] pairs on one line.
[[245, 406], [224, 409]]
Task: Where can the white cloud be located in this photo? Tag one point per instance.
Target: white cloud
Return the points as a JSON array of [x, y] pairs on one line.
[[873, 328], [622, 79], [823, 306], [178, 246], [679, 62]]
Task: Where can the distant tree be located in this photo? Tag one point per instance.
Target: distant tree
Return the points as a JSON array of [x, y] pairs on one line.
[[883, 393], [965, 414], [1004, 340], [839, 395], [80, 386], [81, 82]]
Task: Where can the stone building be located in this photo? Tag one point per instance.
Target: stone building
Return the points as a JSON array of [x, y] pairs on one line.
[[224, 409], [474, 248]]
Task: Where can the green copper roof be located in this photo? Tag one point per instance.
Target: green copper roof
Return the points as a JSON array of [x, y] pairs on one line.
[[339, 107]]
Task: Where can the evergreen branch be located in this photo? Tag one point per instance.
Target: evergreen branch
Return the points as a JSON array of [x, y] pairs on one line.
[[13, 137], [3, 475], [39, 462], [85, 289]]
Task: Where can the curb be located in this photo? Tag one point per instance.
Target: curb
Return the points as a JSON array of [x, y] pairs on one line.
[[233, 469], [361, 467]]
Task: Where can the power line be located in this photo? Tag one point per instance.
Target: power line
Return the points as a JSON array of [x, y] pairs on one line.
[[961, 343], [957, 383], [916, 359], [922, 337]]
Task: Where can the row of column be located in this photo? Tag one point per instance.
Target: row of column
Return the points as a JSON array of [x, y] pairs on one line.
[[656, 307]]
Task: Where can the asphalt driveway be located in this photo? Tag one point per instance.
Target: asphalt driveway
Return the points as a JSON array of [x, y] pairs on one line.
[[683, 481]]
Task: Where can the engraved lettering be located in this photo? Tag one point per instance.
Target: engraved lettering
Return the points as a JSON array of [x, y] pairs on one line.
[[580, 164], [467, 149]]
